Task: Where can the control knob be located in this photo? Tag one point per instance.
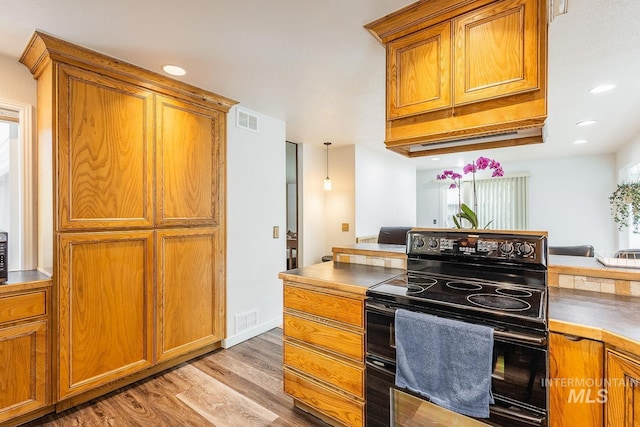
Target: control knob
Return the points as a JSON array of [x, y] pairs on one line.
[[433, 243], [525, 249], [506, 248], [418, 242]]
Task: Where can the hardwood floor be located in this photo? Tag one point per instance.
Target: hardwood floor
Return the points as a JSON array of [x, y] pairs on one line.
[[235, 387]]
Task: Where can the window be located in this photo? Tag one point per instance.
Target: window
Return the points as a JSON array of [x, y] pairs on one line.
[[16, 183], [633, 175], [501, 201]]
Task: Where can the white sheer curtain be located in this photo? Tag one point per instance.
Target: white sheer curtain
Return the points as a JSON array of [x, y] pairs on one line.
[[501, 201]]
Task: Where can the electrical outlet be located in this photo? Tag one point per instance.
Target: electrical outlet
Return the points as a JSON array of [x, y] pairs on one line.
[[345, 226], [276, 232]]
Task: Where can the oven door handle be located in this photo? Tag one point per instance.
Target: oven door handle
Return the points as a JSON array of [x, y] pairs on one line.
[[524, 338], [518, 416], [381, 308]]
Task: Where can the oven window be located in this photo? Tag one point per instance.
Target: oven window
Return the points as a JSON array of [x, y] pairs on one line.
[[519, 373]]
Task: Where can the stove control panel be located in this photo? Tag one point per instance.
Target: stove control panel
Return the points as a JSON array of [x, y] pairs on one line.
[[525, 248]]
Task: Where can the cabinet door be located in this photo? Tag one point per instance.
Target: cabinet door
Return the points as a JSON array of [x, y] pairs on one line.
[[190, 291], [188, 172], [623, 387], [419, 72], [23, 376], [496, 51], [576, 369], [105, 153], [105, 309]]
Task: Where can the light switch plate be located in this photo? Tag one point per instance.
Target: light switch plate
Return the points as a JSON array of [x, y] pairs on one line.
[[345, 226], [276, 232]]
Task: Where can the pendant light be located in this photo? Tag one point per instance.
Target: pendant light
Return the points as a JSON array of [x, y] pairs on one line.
[[327, 180]]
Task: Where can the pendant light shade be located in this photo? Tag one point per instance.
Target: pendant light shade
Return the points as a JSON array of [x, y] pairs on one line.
[[327, 180]]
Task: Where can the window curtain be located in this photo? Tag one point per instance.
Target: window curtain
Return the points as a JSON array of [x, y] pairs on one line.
[[501, 201]]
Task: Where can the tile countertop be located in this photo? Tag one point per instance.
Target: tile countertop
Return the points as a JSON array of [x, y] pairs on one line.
[[589, 266]]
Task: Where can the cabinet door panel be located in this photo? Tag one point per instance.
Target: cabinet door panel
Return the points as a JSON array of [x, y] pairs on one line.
[[105, 156], [189, 290], [496, 51], [623, 391], [23, 376], [571, 361], [334, 307], [349, 412], [342, 342], [187, 171], [419, 72], [104, 307]]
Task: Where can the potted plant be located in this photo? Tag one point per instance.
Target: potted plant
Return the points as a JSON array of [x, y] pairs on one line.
[[464, 211], [625, 205]]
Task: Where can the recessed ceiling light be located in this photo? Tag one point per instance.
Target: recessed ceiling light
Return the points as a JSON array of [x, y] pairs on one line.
[[174, 70], [586, 122], [435, 158], [579, 141], [602, 88]]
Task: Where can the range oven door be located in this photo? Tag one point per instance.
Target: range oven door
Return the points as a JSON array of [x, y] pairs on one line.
[[520, 370]]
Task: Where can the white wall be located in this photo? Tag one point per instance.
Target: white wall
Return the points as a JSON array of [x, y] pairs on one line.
[[256, 201], [311, 218], [568, 197], [629, 155], [16, 82], [340, 202], [385, 191]]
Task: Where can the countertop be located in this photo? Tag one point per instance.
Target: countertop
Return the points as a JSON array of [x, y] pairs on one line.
[[355, 278], [378, 249], [24, 280], [614, 319], [589, 266]]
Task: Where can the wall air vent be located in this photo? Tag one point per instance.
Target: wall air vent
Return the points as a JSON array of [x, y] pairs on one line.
[[246, 120]]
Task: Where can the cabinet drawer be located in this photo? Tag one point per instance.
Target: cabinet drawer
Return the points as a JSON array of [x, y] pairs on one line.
[[330, 403], [349, 344], [334, 307], [19, 307], [345, 376]]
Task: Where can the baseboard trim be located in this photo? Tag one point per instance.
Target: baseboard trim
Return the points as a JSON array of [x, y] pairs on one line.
[[250, 333]]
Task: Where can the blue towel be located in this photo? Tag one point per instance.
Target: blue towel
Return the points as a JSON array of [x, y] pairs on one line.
[[447, 361]]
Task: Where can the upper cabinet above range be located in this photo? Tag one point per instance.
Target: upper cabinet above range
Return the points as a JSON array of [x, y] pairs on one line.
[[463, 69]]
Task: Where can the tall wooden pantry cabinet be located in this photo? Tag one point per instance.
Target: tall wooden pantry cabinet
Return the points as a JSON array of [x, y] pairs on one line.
[[131, 217]]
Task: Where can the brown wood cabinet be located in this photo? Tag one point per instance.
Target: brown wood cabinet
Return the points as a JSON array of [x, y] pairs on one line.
[[324, 352], [576, 369], [460, 69], [134, 230], [105, 307], [623, 390], [24, 353], [189, 304], [105, 152]]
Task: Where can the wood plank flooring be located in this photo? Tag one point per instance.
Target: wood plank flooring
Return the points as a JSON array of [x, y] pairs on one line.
[[235, 387]]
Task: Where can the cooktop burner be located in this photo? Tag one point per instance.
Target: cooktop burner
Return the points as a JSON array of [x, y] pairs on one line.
[[464, 286], [463, 294], [501, 302]]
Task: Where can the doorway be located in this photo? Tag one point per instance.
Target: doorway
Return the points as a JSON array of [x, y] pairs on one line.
[[292, 206]]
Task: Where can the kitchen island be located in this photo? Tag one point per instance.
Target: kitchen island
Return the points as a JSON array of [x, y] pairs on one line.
[[594, 335]]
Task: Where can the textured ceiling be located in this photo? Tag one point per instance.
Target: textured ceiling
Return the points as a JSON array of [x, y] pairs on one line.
[[313, 65]]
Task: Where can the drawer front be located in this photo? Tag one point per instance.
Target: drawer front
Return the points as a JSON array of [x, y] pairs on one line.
[[330, 403], [18, 307], [345, 376], [349, 344], [334, 307]]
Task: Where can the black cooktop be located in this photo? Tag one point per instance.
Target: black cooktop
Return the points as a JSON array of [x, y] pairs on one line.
[[463, 294]]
